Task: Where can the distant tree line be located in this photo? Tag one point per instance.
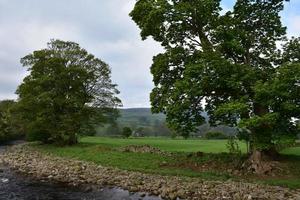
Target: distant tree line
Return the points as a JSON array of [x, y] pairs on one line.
[[159, 128]]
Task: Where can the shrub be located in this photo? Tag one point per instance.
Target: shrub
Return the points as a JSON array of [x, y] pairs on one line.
[[11, 127], [33, 136], [127, 132], [233, 146], [215, 135]]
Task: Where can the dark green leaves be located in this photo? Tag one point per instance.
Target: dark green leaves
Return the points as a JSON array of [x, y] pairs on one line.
[[227, 65], [68, 91]]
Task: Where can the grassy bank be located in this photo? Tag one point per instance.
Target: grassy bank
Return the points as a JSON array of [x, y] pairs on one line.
[[215, 164], [166, 144]]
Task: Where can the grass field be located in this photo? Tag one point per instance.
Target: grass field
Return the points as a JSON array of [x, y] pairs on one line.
[[172, 145], [104, 151]]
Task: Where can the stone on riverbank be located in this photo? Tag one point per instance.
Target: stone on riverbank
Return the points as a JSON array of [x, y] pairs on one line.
[[47, 167], [143, 149]]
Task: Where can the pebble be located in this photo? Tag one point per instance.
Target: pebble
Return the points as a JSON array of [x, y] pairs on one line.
[[25, 159], [4, 180]]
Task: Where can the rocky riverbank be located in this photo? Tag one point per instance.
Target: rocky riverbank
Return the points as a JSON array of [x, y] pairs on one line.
[[41, 166]]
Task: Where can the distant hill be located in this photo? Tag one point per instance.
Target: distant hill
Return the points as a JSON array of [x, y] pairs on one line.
[[142, 121], [139, 116]]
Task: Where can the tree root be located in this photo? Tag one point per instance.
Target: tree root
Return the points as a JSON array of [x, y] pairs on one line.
[[261, 163]]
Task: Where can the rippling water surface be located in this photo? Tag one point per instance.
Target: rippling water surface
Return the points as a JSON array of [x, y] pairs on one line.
[[17, 187]]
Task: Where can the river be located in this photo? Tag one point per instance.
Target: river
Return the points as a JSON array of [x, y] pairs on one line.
[[14, 186]]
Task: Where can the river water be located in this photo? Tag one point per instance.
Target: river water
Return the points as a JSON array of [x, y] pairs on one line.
[[14, 186]]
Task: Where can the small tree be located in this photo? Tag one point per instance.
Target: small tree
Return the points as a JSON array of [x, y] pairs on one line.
[[140, 132], [127, 132], [113, 129], [67, 91], [215, 135]]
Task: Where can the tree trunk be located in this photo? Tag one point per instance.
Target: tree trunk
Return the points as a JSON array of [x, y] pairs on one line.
[[262, 161], [72, 139]]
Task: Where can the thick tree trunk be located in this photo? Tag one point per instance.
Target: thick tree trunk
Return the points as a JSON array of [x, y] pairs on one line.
[[257, 163], [262, 162]]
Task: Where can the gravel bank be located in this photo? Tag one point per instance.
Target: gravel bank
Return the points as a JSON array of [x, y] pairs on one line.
[[73, 172]]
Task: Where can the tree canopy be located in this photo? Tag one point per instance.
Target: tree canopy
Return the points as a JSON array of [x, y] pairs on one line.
[[67, 91], [227, 64]]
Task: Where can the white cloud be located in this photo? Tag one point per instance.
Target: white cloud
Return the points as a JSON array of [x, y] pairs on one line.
[[17, 40], [293, 23], [102, 27]]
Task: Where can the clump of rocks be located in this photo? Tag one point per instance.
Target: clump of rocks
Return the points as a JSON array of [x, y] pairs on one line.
[[43, 166], [143, 149]]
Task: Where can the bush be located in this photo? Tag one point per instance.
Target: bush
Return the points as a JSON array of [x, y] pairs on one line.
[[215, 135], [233, 146], [127, 132], [11, 127], [33, 136]]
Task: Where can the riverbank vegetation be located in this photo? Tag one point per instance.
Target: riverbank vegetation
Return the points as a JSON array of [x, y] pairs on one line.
[[205, 159], [11, 124]]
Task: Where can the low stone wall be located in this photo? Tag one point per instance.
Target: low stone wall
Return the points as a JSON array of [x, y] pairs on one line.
[[47, 167]]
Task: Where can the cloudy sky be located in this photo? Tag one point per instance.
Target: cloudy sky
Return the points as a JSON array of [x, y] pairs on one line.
[[103, 27]]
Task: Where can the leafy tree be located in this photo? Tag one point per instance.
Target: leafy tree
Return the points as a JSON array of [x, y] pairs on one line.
[[229, 61], [140, 132], [113, 129], [215, 135], [298, 127], [161, 129], [127, 132], [11, 127], [67, 91], [143, 120]]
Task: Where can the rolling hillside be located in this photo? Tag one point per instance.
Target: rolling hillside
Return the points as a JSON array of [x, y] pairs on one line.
[[143, 122]]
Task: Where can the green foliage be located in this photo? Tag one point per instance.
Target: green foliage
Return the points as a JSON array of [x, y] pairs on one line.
[[127, 132], [114, 129], [228, 60], [166, 144], [36, 135], [215, 135], [11, 126], [233, 146], [298, 128], [67, 92], [142, 162]]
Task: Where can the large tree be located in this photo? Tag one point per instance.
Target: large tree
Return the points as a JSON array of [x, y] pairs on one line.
[[227, 64], [67, 91]]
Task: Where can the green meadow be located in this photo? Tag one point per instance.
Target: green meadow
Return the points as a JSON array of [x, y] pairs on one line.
[[106, 151]]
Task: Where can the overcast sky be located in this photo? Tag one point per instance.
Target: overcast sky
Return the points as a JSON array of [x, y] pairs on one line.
[[103, 27]]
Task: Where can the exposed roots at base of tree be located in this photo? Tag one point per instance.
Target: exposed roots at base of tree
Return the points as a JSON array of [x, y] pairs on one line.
[[262, 163]]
